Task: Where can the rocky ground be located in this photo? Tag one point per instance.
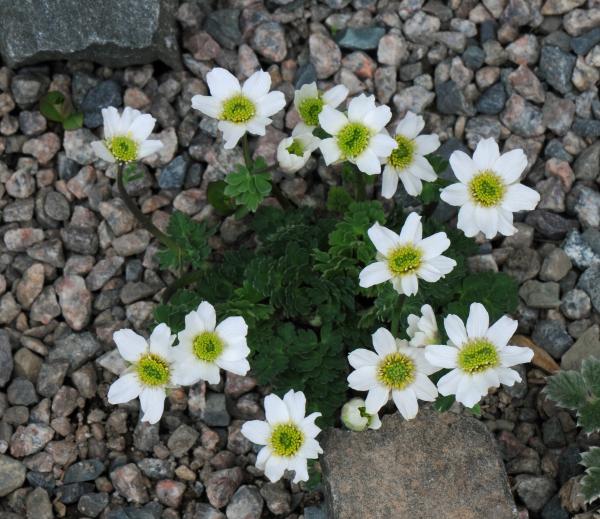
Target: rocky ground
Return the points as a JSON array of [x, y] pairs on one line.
[[74, 266]]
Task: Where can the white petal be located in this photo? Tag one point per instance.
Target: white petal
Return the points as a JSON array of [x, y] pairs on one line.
[[332, 120], [258, 125], [222, 83], [505, 222], [520, 198], [270, 104], [131, 345], [330, 150], [124, 389], [361, 357], [411, 125], [441, 356], [296, 404], [142, 127], [442, 264], [374, 274], [422, 169], [376, 399], [486, 219], [239, 367], [513, 355], [384, 342], [232, 133], [307, 91], [257, 431], [429, 273], [377, 119], [510, 165], [275, 467], [424, 388], [147, 148], [389, 182], [406, 402], [455, 194], [102, 152], [359, 107], [111, 119], [257, 85], [486, 154], [308, 425], [434, 245], [412, 183], [185, 372], [232, 328], [455, 329], [262, 457], [300, 468], [363, 379], [375, 422], [335, 96], [427, 144], [507, 376], [467, 393], [385, 240], [448, 384], [502, 330], [161, 341], [368, 162], [462, 166], [478, 321], [127, 117], [235, 350], [208, 105], [412, 230], [152, 402], [410, 284], [209, 372], [311, 448], [466, 220], [207, 313], [382, 145], [275, 409]]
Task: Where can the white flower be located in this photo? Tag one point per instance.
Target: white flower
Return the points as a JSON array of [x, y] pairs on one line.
[[360, 137], [294, 152], [126, 136], [406, 257], [309, 103], [355, 417], [205, 347], [489, 190], [407, 161], [239, 109], [423, 330], [152, 370], [287, 435], [478, 355], [395, 367]]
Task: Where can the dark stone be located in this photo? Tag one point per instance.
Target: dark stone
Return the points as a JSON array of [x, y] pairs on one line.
[[91, 505], [553, 509], [172, 175], [67, 168], [556, 67], [473, 57], [590, 282], [555, 149], [6, 358], [487, 31], [553, 337], [69, 494], [583, 44], [451, 100], [224, 26], [589, 128], [12, 474], [569, 464], [123, 32], [104, 94], [44, 480], [76, 349], [553, 435], [383, 473], [79, 239], [87, 470], [360, 38], [305, 74], [492, 100], [550, 225]]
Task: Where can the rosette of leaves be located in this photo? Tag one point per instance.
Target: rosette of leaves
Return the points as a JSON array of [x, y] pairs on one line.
[[579, 391], [54, 106]]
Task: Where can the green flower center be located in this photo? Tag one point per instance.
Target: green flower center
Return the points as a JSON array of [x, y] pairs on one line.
[[238, 109], [286, 439], [296, 148], [207, 346], [487, 188], [123, 148], [404, 260], [353, 139], [478, 355], [396, 371], [309, 110], [153, 370], [403, 155]]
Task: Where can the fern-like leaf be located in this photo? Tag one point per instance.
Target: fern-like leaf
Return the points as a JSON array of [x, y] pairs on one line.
[[590, 484]]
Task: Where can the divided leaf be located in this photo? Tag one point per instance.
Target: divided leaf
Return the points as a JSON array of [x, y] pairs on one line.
[[246, 188], [590, 484]]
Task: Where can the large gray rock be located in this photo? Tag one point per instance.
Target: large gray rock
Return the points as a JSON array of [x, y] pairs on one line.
[[437, 466], [112, 32]]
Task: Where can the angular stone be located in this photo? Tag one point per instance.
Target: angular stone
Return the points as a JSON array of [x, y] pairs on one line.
[[128, 481], [76, 349], [360, 38], [325, 55], [588, 345], [144, 31], [12, 475], [6, 358], [385, 473]]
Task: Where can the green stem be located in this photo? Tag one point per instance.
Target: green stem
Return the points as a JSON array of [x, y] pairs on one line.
[[246, 150], [184, 280], [141, 217], [396, 315]]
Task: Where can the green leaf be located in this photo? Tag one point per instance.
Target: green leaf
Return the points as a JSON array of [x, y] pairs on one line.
[[314, 475], [443, 403], [439, 164], [590, 483], [215, 193], [131, 174], [567, 389], [54, 106], [589, 416], [338, 199], [73, 121], [248, 189], [590, 370], [476, 410], [430, 193]]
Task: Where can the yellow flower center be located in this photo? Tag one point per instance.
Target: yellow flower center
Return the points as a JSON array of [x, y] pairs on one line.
[[396, 371], [353, 139], [207, 346], [404, 260], [309, 110], [238, 109], [286, 439], [487, 188], [296, 148], [478, 355], [403, 154], [123, 148], [153, 370]]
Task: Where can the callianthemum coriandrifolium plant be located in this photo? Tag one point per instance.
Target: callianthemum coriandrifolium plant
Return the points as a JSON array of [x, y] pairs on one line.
[[322, 303], [579, 391]]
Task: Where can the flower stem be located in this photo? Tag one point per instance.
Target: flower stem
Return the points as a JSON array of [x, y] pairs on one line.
[[184, 280], [246, 151], [396, 315], [141, 217]]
